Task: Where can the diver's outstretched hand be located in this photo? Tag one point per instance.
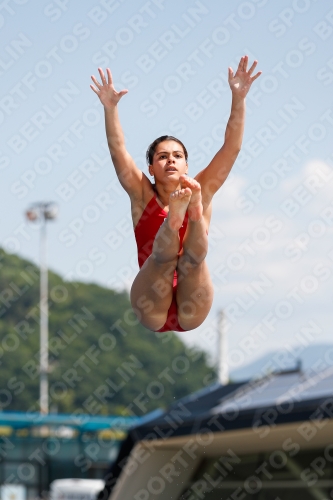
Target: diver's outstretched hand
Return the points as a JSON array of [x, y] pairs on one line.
[[241, 81], [106, 92]]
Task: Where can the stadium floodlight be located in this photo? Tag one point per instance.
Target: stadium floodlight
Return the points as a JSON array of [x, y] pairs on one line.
[[42, 212]]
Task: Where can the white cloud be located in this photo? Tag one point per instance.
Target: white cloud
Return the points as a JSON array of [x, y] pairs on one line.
[[226, 198], [310, 187]]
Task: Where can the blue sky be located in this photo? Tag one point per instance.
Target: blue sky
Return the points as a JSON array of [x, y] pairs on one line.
[[271, 250]]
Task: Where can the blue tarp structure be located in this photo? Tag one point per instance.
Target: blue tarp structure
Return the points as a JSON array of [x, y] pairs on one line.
[[82, 422]]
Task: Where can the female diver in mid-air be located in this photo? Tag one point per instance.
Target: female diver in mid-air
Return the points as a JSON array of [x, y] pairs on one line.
[[173, 289]]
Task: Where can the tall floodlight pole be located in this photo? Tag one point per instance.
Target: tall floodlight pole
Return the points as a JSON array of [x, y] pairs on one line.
[[42, 212], [223, 368]]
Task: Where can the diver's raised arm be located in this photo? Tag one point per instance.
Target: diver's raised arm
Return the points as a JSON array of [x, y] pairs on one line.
[[129, 175]]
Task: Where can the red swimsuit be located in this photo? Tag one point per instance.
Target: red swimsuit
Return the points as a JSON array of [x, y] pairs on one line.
[[145, 231]]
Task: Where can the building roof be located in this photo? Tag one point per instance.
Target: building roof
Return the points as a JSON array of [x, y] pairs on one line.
[[285, 397]]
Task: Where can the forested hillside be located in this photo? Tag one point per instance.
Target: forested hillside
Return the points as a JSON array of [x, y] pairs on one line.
[[102, 361]]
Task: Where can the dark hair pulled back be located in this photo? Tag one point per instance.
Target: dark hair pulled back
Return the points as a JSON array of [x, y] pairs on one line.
[[151, 149]]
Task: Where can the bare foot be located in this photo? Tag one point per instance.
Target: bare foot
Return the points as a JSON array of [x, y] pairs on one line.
[[178, 203], [195, 208]]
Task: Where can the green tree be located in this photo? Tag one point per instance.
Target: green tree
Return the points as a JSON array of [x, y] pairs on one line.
[[102, 360]]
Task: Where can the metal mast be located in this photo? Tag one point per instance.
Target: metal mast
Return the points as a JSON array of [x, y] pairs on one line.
[[42, 212], [223, 368]]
